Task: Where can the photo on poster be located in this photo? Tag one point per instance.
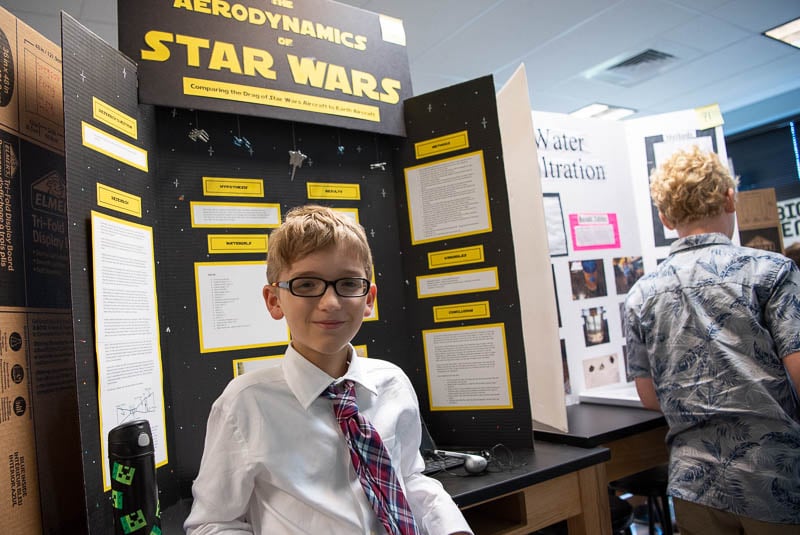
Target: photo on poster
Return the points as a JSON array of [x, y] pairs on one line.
[[628, 377], [555, 291], [565, 367], [627, 270], [595, 326], [593, 231], [554, 221], [657, 151], [601, 371], [588, 279]]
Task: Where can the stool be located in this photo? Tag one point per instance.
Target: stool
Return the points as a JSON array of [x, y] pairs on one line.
[[651, 483], [621, 514]]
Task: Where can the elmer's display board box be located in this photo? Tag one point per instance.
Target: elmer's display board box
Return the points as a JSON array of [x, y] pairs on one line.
[[39, 440]]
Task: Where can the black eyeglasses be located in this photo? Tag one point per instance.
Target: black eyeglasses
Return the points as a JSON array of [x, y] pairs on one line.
[[315, 287]]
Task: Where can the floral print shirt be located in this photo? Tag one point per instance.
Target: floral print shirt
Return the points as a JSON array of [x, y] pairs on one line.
[[710, 327]]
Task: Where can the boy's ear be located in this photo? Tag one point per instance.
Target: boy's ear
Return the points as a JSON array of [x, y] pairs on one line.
[[730, 201], [373, 292], [273, 303], [665, 221]]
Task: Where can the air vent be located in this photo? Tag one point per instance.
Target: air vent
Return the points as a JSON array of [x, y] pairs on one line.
[[634, 69]]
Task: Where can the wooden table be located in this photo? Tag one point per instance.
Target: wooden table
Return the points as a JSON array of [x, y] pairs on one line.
[[634, 436], [553, 483]]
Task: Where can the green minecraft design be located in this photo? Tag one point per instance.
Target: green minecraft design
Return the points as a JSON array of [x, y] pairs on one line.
[[123, 474], [155, 530], [116, 499], [133, 522]]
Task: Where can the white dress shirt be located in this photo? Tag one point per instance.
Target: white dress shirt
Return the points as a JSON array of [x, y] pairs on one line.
[[275, 460]]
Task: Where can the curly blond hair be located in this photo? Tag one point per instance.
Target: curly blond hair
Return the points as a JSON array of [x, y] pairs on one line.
[[690, 186], [312, 228]]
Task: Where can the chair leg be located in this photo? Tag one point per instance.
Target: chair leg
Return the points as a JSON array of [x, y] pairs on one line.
[[666, 515], [652, 511]]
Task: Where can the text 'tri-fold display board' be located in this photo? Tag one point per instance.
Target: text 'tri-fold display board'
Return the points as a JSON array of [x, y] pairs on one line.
[[170, 210], [304, 60]]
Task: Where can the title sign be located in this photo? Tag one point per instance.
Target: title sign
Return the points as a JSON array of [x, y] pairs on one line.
[[314, 61]]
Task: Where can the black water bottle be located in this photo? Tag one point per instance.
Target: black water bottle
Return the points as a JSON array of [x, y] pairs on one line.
[[134, 491]]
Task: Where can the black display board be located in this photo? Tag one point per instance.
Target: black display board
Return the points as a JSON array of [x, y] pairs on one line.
[[200, 377], [92, 68], [467, 111]]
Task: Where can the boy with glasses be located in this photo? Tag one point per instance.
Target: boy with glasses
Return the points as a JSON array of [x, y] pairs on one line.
[[327, 442]]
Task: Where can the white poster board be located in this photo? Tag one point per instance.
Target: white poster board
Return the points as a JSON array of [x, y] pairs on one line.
[[531, 250]]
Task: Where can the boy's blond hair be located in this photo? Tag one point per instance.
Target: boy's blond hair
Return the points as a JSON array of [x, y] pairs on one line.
[[691, 185], [311, 228]]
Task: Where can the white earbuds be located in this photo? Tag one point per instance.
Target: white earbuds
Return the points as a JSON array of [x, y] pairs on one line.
[[473, 464]]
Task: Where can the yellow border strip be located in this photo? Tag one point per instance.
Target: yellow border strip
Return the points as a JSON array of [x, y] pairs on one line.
[[486, 206], [279, 99], [350, 212], [456, 257], [333, 190], [118, 200], [111, 116], [239, 363], [113, 147], [375, 315], [494, 286], [101, 215], [203, 349], [442, 145], [462, 311], [433, 407], [276, 207], [217, 186], [237, 243]]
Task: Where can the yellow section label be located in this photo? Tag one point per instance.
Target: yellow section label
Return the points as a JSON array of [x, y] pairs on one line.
[[113, 147], [280, 99], [329, 190], [463, 311], [109, 115], [709, 116], [361, 350], [441, 145], [456, 257], [237, 243], [119, 200], [233, 187]]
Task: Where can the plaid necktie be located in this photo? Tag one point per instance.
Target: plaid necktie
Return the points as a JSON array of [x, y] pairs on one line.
[[371, 462]]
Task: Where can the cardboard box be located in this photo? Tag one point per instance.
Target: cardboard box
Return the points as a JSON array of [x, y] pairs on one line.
[[38, 408], [758, 221], [19, 490]]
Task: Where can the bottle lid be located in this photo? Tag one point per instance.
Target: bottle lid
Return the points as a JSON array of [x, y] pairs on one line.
[[131, 439]]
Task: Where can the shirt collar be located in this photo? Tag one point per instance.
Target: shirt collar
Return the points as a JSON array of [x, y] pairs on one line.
[[307, 382], [699, 240]]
